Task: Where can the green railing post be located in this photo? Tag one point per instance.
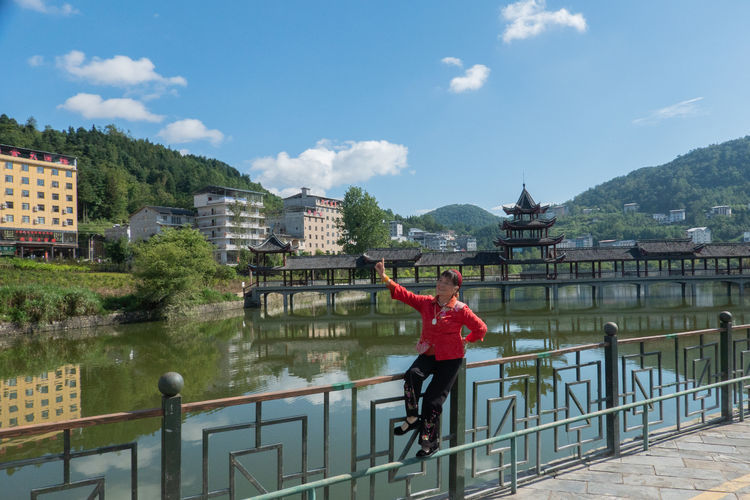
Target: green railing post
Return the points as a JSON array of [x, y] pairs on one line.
[[725, 366], [170, 385], [612, 387], [457, 461]]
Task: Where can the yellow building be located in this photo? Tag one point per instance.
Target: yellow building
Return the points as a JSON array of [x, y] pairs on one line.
[[38, 203], [52, 396]]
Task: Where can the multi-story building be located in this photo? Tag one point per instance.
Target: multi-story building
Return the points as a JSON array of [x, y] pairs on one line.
[[699, 234], [151, 220], [677, 215], [49, 397], [38, 203], [231, 219], [630, 207], [721, 210], [313, 220]]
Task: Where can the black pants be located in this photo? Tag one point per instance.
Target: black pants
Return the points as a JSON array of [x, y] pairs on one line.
[[444, 375]]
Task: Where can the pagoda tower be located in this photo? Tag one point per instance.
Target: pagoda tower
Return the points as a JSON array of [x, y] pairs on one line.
[[527, 229]]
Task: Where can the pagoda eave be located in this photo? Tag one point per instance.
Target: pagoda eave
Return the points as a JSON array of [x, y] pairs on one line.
[[527, 242]]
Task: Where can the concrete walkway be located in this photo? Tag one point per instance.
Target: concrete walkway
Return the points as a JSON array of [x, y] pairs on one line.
[[710, 464]]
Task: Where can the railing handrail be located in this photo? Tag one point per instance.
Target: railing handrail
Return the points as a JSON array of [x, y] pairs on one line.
[[490, 441], [320, 389]]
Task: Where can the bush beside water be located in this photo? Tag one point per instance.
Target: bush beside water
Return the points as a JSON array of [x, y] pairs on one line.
[[44, 304]]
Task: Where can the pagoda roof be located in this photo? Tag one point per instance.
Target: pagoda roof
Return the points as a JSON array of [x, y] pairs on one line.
[[528, 224], [525, 205], [528, 242], [272, 245], [455, 259], [392, 254]]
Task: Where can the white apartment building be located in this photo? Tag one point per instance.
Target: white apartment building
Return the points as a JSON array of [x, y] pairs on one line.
[[677, 215], [312, 220], [699, 234], [151, 220], [630, 207], [231, 219], [721, 210]]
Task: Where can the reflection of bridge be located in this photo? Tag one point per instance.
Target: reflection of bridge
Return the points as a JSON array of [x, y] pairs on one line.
[[641, 282]]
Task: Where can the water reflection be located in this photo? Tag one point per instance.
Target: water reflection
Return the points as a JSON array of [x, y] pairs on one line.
[[116, 369]]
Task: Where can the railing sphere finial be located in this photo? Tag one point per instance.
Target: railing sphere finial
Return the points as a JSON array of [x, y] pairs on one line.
[[725, 316], [610, 328], [171, 383]]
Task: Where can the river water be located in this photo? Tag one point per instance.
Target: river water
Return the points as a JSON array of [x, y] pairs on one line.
[[86, 373]]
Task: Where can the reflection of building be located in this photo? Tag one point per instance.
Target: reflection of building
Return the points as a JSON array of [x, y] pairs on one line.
[[38, 203], [231, 219], [151, 220], [49, 397]]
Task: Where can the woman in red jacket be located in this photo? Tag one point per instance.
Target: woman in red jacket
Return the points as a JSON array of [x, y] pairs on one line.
[[441, 348]]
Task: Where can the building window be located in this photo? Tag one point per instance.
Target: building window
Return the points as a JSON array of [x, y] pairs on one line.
[[9, 191], [40, 182], [68, 210], [25, 206], [40, 207], [8, 178], [58, 399], [40, 195], [39, 170], [25, 218], [69, 173], [55, 196], [55, 221], [24, 167], [68, 197], [24, 180], [69, 222], [25, 193], [8, 165], [8, 218], [45, 414], [41, 220], [56, 208], [30, 417], [8, 204], [54, 171], [55, 184], [68, 185]]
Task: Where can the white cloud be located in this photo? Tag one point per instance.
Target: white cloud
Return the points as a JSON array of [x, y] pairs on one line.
[[452, 61], [41, 6], [35, 61], [189, 130], [93, 106], [423, 211], [680, 110], [528, 18], [473, 79], [184, 152], [328, 165], [119, 71]]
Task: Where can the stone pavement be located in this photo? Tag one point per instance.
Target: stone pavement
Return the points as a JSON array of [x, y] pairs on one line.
[[710, 464]]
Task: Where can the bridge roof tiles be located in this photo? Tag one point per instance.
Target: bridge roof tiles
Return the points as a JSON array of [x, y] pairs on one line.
[[725, 250], [323, 262], [598, 253], [393, 254]]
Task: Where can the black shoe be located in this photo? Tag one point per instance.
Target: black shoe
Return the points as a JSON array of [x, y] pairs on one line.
[[424, 454], [399, 430]]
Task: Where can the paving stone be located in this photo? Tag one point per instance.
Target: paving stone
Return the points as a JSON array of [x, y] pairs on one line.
[[688, 472], [560, 485], [678, 494], [705, 447], [624, 468], [708, 464], [648, 460], [624, 490], [658, 481], [593, 476]]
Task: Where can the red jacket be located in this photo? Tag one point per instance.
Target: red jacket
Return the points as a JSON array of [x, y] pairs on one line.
[[445, 335]]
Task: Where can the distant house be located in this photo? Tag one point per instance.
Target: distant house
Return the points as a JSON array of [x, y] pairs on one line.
[[557, 211], [699, 234], [660, 218], [746, 236], [721, 210], [585, 241], [630, 208], [677, 215], [466, 242], [151, 220], [117, 232]]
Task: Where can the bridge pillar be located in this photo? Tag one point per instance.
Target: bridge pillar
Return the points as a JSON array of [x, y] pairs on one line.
[[594, 293], [725, 360], [373, 298], [328, 302], [291, 303], [285, 299], [612, 388]]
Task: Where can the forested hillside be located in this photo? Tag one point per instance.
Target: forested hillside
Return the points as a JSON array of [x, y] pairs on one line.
[[119, 174], [705, 177]]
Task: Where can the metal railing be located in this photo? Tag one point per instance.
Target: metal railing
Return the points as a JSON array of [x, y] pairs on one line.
[[537, 413]]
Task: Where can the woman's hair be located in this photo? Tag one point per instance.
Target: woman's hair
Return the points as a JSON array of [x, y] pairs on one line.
[[452, 275]]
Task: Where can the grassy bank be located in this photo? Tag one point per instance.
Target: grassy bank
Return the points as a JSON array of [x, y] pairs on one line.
[[40, 292]]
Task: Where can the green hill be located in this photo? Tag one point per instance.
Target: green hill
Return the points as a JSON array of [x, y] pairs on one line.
[[705, 177], [117, 174], [469, 216]]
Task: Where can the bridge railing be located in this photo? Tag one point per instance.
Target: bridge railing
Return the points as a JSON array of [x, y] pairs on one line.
[[508, 418]]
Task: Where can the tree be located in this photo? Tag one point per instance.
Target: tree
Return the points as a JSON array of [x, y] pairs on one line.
[[119, 251], [362, 223], [172, 268]]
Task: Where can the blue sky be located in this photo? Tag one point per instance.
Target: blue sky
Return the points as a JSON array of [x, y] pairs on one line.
[[422, 103]]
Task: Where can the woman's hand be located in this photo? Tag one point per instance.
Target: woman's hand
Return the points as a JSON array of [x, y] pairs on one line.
[[380, 268]]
